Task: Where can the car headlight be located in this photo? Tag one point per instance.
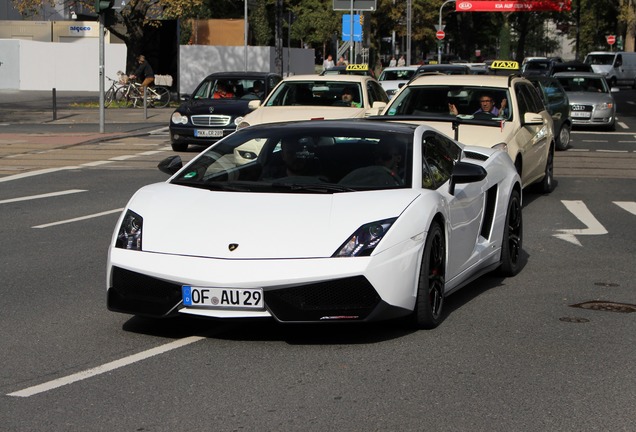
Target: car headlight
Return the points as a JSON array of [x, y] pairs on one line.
[[604, 105], [238, 120], [365, 239], [501, 146], [129, 236], [241, 124], [249, 155], [178, 118]]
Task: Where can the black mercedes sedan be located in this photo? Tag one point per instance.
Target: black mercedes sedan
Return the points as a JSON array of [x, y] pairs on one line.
[[210, 112]]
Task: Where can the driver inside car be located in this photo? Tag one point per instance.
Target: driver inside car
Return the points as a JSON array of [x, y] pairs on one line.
[[486, 106]]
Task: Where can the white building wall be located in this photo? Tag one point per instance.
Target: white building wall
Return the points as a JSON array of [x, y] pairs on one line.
[[31, 65]]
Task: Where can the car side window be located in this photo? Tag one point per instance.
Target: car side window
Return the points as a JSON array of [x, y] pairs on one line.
[[438, 158], [528, 99], [380, 94]]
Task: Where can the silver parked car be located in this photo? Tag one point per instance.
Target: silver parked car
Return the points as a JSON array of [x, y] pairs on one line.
[[591, 100]]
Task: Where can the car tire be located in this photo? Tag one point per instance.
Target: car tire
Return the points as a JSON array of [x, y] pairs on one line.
[[563, 138], [547, 184], [512, 240], [179, 147], [431, 281]]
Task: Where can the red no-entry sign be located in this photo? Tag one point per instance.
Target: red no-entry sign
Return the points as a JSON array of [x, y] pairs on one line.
[[440, 34], [611, 39]]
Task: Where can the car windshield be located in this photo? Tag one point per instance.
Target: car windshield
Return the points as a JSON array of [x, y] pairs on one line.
[[295, 160], [583, 84], [314, 93], [600, 59], [397, 74], [225, 88], [450, 101]]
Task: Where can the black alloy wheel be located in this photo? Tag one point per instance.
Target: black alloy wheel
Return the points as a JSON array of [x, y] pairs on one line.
[[512, 240], [432, 280]]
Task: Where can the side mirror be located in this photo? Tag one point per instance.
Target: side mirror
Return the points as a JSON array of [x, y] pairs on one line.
[[170, 165], [376, 108], [531, 118], [464, 172], [252, 105]]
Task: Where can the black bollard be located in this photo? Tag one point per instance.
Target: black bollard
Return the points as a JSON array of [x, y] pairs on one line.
[[54, 104]]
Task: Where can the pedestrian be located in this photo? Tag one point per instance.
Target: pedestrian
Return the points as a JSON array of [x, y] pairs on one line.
[[393, 62], [328, 63], [401, 61]]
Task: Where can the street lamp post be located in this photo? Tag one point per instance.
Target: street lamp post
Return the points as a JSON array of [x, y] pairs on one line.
[[439, 46]]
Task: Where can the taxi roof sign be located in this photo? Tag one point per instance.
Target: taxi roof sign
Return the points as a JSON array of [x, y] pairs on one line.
[[505, 64], [358, 67]]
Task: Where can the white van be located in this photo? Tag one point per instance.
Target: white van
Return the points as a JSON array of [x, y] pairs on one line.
[[619, 68]]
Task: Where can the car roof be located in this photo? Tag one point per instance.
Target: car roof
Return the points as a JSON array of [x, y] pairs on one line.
[[393, 68], [377, 124], [239, 75], [578, 74], [466, 80], [334, 77]]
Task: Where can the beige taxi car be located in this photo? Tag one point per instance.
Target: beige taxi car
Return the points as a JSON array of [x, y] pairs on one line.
[[496, 111], [313, 97]]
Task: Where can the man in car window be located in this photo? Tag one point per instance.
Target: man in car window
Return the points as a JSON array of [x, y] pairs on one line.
[[487, 106], [347, 98]]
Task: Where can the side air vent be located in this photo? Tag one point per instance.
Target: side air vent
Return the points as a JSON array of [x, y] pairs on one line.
[[475, 155], [489, 211]]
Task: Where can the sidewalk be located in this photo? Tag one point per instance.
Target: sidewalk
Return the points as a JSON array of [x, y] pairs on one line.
[[71, 126]]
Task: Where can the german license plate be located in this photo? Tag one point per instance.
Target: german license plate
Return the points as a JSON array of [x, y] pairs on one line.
[[581, 114], [223, 298], [206, 133]]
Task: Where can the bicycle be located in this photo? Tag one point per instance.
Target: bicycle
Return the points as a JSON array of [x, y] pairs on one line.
[[132, 95], [109, 95]]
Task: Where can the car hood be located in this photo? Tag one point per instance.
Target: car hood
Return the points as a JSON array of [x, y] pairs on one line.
[[588, 98], [265, 114], [476, 135], [197, 222], [230, 107]]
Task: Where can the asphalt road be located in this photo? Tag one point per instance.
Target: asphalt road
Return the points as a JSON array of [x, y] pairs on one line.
[[513, 354]]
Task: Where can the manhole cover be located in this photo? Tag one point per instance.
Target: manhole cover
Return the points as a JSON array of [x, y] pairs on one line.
[[607, 306]]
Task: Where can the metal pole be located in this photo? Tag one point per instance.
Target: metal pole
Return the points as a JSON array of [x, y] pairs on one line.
[[351, 59], [439, 44], [408, 32], [101, 72], [245, 28]]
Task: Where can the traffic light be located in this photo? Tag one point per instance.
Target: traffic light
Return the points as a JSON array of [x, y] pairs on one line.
[[101, 6]]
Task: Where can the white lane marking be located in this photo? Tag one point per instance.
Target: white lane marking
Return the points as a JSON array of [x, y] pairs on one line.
[[629, 206], [89, 373], [91, 216], [612, 151], [580, 210], [35, 173], [96, 163], [595, 141], [623, 125], [124, 157], [47, 195], [577, 150]]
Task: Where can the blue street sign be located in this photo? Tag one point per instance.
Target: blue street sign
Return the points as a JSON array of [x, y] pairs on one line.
[[346, 28]]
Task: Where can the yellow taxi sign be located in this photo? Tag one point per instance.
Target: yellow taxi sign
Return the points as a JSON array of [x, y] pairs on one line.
[[504, 64], [358, 67]]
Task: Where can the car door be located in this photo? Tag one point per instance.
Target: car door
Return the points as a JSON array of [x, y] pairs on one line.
[[465, 206], [533, 139]]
